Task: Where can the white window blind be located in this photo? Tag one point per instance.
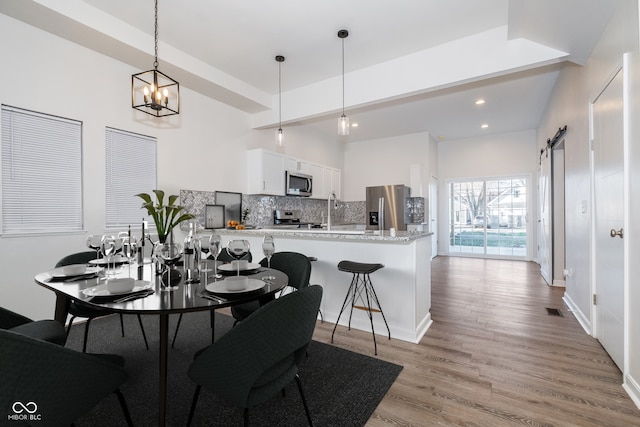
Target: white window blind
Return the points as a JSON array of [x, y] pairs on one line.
[[130, 169], [41, 172]]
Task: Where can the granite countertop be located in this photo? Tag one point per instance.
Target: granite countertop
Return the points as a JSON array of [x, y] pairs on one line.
[[318, 234]]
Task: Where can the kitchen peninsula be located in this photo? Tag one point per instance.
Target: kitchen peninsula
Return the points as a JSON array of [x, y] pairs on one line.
[[403, 285]]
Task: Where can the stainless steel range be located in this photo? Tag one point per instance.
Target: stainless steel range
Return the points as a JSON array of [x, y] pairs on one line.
[[283, 218]]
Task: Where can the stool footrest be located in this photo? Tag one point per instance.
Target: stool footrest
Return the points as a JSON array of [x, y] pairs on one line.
[[362, 307]]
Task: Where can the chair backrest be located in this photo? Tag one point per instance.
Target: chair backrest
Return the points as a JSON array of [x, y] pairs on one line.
[[10, 319], [295, 265], [77, 258], [58, 383], [259, 356], [225, 257]]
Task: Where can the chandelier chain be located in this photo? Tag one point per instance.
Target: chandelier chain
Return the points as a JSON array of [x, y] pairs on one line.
[[280, 93], [155, 62], [343, 76]]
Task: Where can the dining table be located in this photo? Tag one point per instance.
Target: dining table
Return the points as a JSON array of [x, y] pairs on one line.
[[151, 297]]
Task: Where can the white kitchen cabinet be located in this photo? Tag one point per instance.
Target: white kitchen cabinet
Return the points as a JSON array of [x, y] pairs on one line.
[[265, 172]]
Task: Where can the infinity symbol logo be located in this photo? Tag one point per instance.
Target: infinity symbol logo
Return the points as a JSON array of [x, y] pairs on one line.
[[19, 407]]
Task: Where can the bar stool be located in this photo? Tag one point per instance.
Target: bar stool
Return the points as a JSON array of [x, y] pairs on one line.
[[361, 283]]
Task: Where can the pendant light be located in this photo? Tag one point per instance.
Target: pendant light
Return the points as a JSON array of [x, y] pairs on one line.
[[153, 92], [279, 135], [343, 121]]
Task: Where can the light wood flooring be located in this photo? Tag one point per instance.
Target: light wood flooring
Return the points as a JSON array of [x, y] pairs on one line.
[[495, 357]]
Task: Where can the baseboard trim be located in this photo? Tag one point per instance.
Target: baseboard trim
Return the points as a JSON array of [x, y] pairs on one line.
[[632, 388], [578, 314]]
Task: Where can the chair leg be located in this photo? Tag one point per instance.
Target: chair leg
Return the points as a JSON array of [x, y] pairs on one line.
[[144, 336], [212, 317], [193, 405], [304, 400], [246, 417], [125, 409], [175, 334], [70, 323], [86, 335], [344, 305], [121, 325]]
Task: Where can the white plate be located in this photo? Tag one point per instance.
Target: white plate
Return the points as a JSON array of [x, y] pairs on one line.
[[101, 290], [250, 266], [116, 260], [90, 271], [220, 287]]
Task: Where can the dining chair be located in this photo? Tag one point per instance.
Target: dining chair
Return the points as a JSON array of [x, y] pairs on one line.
[[259, 357], [295, 265], [54, 384], [79, 309], [46, 330], [225, 258]]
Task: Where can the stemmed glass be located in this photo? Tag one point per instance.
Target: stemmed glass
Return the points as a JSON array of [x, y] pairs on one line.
[[93, 243], [268, 249], [215, 245], [129, 249], [204, 248], [237, 249], [169, 254], [108, 248]]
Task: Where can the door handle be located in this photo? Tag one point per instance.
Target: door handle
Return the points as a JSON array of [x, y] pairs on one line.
[[614, 233]]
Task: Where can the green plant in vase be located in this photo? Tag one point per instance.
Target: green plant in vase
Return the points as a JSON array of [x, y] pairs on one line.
[[165, 216]]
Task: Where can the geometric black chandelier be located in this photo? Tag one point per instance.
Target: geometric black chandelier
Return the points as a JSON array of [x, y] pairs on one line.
[[153, 92]]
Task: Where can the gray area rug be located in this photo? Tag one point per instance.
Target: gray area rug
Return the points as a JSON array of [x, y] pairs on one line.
[[343, 388]]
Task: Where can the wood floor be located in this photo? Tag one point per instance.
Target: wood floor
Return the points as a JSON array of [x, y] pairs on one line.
[[495, 357]]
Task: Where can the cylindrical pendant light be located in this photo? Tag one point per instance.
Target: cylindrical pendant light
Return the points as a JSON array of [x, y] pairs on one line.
[[343, 121], [279, 135]]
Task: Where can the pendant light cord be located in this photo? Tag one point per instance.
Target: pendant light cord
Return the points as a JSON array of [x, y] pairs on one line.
[[280, 94], [343, 76]]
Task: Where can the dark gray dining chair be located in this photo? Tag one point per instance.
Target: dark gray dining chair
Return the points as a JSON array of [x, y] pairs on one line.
[[259, 357], [53, 383], [46, 330], [295, 265], [80, 309]]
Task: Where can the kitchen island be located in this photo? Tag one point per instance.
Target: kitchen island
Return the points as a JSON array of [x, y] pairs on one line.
[[403, 285]]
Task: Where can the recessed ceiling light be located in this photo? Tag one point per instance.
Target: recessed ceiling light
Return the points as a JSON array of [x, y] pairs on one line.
[[480, 101], [484, 126]]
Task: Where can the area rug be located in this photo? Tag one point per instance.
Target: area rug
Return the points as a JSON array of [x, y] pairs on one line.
[[343, 388]]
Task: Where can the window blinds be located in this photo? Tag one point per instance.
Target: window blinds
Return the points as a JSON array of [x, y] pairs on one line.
[[130, 169], [41, 172]]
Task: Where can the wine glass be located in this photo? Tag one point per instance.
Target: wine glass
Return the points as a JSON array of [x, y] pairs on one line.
[[93, 243], [169, 254], [215, 245], [268, 249], [237, 249], [108, 248], [129, 249]]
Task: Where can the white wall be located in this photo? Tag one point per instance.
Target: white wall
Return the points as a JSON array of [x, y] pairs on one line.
[[203, 148], [491, 156], [383, 161], [575, 89]]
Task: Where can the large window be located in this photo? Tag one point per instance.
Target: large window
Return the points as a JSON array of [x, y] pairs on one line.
[[41, 172], [488, 217], [130, 169]]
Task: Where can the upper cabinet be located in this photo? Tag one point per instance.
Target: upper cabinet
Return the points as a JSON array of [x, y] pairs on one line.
[[266, 174]]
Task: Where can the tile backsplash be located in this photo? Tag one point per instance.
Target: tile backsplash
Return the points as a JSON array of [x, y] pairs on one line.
[[311, 210]]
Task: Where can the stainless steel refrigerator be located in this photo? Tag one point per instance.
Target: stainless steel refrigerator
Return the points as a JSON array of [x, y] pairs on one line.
[[387, 207]]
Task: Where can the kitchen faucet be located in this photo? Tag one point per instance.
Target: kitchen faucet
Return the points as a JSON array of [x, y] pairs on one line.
[[335, 206]]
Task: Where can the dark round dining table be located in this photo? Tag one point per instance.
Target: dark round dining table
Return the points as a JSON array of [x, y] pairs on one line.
[[185, 298]]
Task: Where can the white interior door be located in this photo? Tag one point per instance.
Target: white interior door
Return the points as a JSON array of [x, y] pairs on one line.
[[544, 220], [608, 145], [433, 215]]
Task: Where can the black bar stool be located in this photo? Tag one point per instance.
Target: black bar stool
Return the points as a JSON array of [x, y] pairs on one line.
[[361, 284]]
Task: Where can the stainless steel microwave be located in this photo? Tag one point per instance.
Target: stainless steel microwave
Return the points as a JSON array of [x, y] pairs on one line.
[[298, 184]]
